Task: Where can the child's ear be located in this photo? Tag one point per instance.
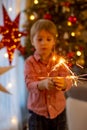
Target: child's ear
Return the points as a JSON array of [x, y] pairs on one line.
[[32, 43]]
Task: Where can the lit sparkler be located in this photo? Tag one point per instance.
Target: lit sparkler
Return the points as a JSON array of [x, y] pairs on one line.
[[74, 77], [62, 61]]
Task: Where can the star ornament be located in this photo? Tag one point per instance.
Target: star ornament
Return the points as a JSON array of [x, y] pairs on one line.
[[2, 71], [11, 35]]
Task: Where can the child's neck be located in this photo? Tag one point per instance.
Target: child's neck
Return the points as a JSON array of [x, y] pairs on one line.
[[45, 58]]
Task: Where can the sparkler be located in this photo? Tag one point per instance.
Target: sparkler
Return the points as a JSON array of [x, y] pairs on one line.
[[62, 61], [74, 77]]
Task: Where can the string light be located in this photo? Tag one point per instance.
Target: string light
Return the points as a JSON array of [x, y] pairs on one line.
[[14, 120], [9, 85], [69, 23], [32, 17], [78, 53], [36, 2], [73, 34], [6, 55], [10, 9]]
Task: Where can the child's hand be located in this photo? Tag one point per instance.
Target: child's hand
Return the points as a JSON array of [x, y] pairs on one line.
[[59, 82], [46, 84]]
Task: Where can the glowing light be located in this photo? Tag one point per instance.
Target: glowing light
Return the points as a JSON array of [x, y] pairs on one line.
[[69, 23], [10, 31], [19, 34], [72, 34], [62, 60], [79, 65], [10, 9], [54, 58], [14, 120], [9, 85], [36, 2], [72, 76], [68, 68], [32, 17], [58, 64], [6, 55], [78, 53]]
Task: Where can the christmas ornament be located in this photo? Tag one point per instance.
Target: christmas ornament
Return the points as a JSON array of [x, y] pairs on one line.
[[2, 89], [2, 71], [72, 19], [11, 35], [66, 4], [71, 54], [66, 35], [47, 16], [5, 69]]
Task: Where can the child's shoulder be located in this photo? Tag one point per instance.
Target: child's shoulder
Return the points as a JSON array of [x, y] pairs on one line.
[[29, 59]]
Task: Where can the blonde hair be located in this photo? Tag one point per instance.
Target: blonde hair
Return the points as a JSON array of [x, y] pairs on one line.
[[43, 24]]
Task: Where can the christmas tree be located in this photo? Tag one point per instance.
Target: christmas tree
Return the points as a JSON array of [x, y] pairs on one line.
[[70, 19]]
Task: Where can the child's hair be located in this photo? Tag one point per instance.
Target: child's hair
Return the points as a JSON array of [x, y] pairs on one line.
[[43, 24]]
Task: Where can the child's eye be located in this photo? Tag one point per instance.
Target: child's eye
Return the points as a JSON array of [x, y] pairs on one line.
[[49, 39], [39, 39]]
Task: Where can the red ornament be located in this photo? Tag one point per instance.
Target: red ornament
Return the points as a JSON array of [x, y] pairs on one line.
[[81, 48], [71, 54], [66, 4], [72, 19], [11, 34], [47, 16], [70, 64]]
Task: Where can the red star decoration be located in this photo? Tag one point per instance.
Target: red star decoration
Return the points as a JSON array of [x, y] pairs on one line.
[[11, 35]]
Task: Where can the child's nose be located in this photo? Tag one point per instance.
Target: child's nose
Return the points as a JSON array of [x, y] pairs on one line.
[[44, 42]]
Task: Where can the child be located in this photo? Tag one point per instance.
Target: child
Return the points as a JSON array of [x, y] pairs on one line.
[[46, 101]]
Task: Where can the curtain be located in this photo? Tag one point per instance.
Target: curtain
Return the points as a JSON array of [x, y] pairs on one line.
[[13, 111]]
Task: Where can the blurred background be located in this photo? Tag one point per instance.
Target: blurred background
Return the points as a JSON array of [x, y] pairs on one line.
[[16, 19]]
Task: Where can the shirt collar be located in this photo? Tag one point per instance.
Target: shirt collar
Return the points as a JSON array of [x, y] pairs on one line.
[[37, 56]]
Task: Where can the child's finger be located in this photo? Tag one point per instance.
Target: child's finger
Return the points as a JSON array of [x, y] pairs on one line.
[[58, 88]]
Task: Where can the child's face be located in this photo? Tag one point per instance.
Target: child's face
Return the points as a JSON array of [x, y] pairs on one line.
[[43, 42]]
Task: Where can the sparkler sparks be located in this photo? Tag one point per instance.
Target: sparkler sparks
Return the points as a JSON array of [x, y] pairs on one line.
[[73, 77], [79, 66], [62, 62]]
